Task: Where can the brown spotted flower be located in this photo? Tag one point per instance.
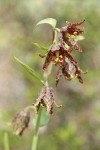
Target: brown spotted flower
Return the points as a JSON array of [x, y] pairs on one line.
[[70, 71], [68, 66], [68, 35], [20, 122], [46, 98], [60, 54], [57, 54]]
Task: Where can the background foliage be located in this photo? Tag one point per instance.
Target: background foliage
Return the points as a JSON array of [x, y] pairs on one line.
[[77, 124]]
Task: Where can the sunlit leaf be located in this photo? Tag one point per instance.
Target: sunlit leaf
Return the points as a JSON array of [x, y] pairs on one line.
[[49, 21], [28, 69], [45, 117]]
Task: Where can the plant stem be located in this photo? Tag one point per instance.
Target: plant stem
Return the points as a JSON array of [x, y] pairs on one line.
[[46, 74], [6, 141], [54, 37], [35, 136]]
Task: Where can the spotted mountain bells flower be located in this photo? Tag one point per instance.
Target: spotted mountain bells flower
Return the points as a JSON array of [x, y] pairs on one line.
[[65, 41], [60, 53], [20, 122], [46, 98]]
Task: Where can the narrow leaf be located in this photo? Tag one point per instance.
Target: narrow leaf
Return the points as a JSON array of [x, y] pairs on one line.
[[28, 69], [49, 21]]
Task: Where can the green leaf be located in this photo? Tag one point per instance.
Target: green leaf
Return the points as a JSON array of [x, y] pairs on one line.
[[45, 117], [40, 46], [28, 69], [49, 21]]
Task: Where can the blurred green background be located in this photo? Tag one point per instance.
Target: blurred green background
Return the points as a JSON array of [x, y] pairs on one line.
[[76, 126]]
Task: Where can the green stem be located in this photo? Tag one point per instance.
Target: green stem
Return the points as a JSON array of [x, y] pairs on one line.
[[35, 136], [46, 74], [6, 141], [30, 107], [55, 37]]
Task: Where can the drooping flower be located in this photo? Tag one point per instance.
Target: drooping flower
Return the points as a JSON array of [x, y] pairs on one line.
[[46, 98], [60, 54], [68, 66], [57, 54], [70, 71], [21, 122], [68, 35]]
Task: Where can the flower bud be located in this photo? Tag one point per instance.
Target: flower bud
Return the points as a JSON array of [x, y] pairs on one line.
[[46, 98], [20, 122]]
